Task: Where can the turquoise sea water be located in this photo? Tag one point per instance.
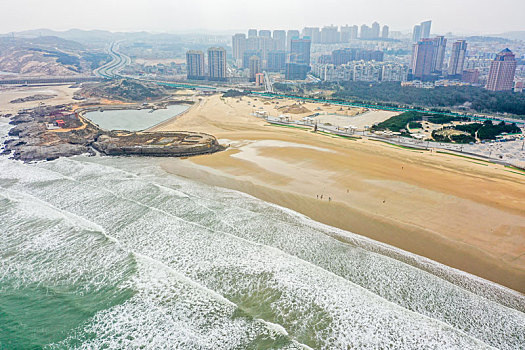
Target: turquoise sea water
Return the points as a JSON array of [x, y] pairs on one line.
[[114, 253], [134, 119]]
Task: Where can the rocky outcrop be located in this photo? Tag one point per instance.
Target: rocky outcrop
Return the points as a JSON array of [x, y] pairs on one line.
[[31, 153], [38, 97], [35, 138], [158, 144]]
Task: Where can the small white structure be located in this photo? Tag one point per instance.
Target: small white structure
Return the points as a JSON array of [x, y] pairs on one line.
[[351, 129], [261, 114], [284, 118]]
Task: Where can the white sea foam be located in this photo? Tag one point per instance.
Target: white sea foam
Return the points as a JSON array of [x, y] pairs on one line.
[[258, 260]]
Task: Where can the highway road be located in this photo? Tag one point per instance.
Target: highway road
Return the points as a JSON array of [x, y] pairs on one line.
[[112, 68], [267, 83]]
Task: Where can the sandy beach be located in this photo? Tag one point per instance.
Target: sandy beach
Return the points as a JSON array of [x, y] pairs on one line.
[[466, 214], [62, 94]]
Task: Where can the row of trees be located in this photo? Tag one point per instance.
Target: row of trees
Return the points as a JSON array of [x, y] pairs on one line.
[[488, 130], [440, 98], [413, 119]]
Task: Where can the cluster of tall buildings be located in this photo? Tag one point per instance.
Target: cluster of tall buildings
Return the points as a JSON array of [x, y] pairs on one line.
[[277, 51], [428, 56], [344, 34], [371, 71], [343, 56], [215, 69], [374, 32], [289, 52]]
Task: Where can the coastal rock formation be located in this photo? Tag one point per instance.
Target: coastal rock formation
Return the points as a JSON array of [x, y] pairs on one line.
[[165, 144], [126, 90], [47, 133], [38, 97]]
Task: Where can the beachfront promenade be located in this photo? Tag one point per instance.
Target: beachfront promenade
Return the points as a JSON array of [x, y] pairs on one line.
[[506, 153]]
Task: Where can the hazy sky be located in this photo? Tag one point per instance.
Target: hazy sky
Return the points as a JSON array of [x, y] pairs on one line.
[[458, 16]]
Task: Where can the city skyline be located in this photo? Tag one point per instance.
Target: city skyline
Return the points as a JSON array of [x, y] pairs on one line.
[[235, 15]]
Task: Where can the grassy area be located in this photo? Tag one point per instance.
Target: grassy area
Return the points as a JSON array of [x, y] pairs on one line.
[[515, 172], [413, 119], [412, 149], [515, 168], [288, 126]]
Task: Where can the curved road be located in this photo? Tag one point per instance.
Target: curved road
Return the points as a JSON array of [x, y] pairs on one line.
[[118, 61]]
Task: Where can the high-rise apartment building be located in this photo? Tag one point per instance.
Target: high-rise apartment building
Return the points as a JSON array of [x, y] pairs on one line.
[[276, 61], [299, 63], [296, 71], [238, 46], [265, 33], [354, 32], [252, 43], [290, 34], [255, 67], [502, 70], [314, 33], [422, 58], [330, 35], [247, 55], [346, 33], [457, 58], [440, 44], [217, 63], [366, 32], [195, 65], [425, 29], [300, 51], [385, 32], [416, 34], [421, 31], [376, 28], [265, 44], [279, 39], [343, 56]]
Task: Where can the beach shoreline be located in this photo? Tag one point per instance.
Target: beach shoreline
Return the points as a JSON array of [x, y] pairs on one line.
[[465, 215]]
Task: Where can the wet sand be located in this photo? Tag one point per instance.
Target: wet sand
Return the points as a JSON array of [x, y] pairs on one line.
[[466, 214]]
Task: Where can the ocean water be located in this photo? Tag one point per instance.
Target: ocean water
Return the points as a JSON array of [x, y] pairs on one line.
[[113, 253], [134, 119]]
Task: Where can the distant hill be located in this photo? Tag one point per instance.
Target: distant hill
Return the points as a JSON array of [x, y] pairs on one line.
[[517, 35], [47, 56], [498, 38], [126, 90], [90, 38]]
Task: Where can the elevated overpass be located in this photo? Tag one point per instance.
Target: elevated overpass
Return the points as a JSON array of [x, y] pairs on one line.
[[56, 80]]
